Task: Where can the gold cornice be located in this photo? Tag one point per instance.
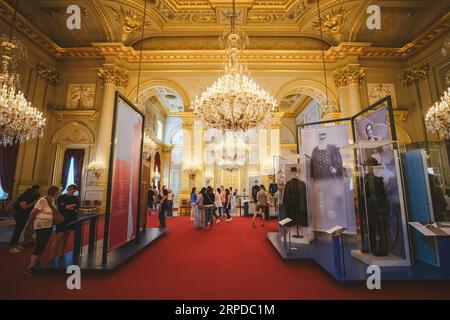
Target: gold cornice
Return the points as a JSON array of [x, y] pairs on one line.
[[67, 114]]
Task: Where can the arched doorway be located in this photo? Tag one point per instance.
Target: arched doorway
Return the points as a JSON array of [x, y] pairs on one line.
[[74, 142], [303, 101]]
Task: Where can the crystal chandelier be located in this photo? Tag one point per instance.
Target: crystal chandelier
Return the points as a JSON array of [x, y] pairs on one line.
[[149, 146], [235, 101], [437, 118], [19, 121], [231, 151]]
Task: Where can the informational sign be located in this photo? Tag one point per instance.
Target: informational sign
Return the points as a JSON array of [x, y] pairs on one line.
[[125, 179]]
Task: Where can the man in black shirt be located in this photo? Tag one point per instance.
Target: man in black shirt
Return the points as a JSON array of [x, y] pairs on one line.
[[22, 207], [68, 204]]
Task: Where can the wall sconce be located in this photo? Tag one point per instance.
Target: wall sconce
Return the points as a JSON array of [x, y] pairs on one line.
[[191, 171], [96, 168]]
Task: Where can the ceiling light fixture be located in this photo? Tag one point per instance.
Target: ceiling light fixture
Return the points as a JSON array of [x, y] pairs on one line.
[[19, 121], [235, 101]]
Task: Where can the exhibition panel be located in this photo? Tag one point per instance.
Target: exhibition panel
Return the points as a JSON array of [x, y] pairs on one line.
[[357, 211]]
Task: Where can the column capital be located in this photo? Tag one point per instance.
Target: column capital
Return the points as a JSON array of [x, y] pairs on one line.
[[414, 75], [113, 75], [49, 75], [346, 76], [188, 120]]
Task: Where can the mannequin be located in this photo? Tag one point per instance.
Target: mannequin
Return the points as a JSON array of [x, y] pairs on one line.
[[373, 211], [294, 201]]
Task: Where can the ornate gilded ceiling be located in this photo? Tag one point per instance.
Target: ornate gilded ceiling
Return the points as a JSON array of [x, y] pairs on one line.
[[284, 24]]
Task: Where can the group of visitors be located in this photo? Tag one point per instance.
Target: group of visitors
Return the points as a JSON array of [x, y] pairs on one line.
[[39, 214], [162, 201], [209, 204]]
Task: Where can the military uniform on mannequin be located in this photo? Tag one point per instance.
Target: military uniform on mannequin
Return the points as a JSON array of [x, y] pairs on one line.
[[294, 201], [255, 190], [374, 214], [328, 188]]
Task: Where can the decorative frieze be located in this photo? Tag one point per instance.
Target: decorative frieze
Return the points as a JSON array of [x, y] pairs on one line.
[[117, 76], [348, 76], [415, 75], [51, 76]]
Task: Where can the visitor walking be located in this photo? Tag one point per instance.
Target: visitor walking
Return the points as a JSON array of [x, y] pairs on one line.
[[193, 201], [170, 197], [261, 204], [227, 205], [218, 205], [42, 217]]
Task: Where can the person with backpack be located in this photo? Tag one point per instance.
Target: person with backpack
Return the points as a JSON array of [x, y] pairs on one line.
[[208, 203], [199, 213]]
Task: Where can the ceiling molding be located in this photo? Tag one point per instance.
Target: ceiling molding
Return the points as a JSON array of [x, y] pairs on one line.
[[120, 51]]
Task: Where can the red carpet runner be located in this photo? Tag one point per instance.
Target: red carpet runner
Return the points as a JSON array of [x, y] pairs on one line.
[[231, 261]]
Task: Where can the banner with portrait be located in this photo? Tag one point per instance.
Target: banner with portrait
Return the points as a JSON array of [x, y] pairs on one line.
[[125, 179], [329, 177]]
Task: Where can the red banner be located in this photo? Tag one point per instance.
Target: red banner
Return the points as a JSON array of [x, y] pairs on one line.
[[125, 179]]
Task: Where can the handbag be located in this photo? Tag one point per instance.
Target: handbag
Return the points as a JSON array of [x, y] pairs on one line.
[[57, 216]]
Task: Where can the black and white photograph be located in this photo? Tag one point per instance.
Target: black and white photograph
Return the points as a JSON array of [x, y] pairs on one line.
[[373, 127], [330, 194]]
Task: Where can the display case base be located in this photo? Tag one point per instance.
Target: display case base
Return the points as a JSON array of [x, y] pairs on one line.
[[385, 261], [115, 257]]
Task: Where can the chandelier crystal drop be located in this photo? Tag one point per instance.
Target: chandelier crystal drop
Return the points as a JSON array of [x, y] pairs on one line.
[[437, 118], [19, 121], [235, 101]]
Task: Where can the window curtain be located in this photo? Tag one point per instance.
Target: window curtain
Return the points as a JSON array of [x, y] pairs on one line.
[[157, 165], [78, 158], [8, 161]]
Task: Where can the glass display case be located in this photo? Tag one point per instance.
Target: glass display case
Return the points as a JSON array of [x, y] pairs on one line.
[[427, 177], [291, 200], [382, 221]]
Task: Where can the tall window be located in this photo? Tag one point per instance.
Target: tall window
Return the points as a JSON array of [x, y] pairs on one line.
[[72, 168], [70, 175], [3, 194], [159, 130]]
